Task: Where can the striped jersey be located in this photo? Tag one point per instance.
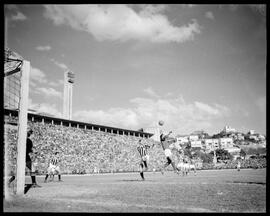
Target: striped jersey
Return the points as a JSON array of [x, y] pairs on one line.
[[143, 150], [54, 161]]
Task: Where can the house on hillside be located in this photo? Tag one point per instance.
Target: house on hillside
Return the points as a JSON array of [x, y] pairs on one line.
[[211, 144], [193, 137], [182, 139], [228, 129], [234, 151], [225, 142], [196, 144]]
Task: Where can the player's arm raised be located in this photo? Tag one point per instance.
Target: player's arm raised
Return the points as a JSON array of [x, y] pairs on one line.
[[169, 134]]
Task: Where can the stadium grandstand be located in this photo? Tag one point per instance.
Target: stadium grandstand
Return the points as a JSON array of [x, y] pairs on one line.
[[84, 147]]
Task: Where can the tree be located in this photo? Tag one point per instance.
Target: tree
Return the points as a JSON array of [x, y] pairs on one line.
[[187, 152], [197, 153], [206, 158], [218, 135], [222, 154]]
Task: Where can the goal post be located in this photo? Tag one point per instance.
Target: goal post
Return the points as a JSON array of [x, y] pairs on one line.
[[22, 127], [16, 91]]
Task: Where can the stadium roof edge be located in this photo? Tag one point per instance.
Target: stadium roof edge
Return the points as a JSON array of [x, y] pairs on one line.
[[30, 115]]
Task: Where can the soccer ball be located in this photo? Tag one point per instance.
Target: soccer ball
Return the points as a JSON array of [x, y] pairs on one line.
[[161, 122]]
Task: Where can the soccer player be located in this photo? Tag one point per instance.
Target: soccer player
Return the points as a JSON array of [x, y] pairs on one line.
[[29, 164], [238, 165], [164, 138], [54, 166], [181, 165], [192, 166], [143, 151]]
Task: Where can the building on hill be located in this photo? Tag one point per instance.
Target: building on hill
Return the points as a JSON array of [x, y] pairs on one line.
[[251, 132], [196, 144], [239, 136], [225, 142], [234, 151], [228, 129], [263, 143], [193, 137], [254, 137], [211, 144], [182, 139], [261, 137]]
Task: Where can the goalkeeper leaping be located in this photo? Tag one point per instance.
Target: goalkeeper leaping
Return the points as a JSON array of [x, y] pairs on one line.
[[165, 142]]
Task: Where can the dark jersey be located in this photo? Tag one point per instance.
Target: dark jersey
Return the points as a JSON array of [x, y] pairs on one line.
[[162, 138], [29, 149]]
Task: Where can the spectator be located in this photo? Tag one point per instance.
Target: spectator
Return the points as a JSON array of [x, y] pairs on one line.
[[84, 149]]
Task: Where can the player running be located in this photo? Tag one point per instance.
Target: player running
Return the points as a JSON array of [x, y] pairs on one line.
[[164, 140], [143, 151], [54, 167]]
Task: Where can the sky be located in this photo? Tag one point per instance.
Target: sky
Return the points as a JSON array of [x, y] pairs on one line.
[[196, 67]]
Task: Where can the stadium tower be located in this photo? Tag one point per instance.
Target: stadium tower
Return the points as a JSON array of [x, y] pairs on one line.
[[68, 86]]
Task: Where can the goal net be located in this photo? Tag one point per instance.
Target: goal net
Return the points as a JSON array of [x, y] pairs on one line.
[[16, 88]]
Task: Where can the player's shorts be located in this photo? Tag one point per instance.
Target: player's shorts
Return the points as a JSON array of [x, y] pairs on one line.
[[186, 166], [53, 168], [168, 153], [192, 167], [144, 163], [30, 168], [145, 158], [180, 165]]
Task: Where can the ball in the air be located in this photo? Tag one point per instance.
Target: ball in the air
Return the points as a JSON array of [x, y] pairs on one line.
[[161, 122]]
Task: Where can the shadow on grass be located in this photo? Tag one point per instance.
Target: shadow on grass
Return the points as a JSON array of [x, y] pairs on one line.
[[239, 182], [130, 180], [134, 180]]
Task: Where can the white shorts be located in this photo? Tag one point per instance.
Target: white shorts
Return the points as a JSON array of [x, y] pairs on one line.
[[186, 166], [180, 165], [192, 166], [53, 168], [145, 158], [168, 152]]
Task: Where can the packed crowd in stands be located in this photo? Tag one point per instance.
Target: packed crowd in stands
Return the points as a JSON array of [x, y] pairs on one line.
[[82, 150], [87, 151], [256, 163]]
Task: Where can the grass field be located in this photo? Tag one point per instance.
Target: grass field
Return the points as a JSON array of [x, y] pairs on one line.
[[208, 191]]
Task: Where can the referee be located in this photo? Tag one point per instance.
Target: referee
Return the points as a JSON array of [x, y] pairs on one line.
[[143, 151]]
